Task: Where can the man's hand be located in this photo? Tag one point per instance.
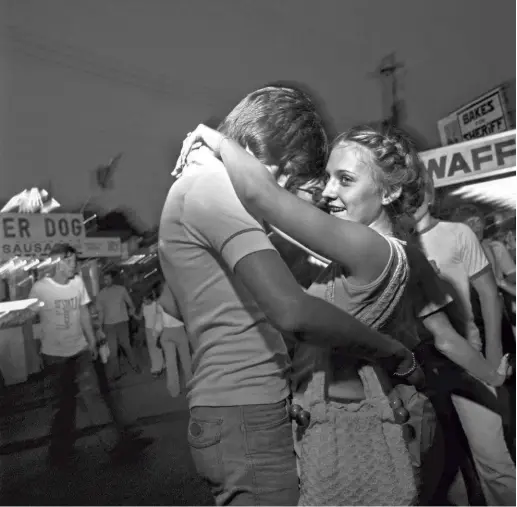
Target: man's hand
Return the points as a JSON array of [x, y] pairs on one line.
[[101, 335], [93, 351], [503, 372]]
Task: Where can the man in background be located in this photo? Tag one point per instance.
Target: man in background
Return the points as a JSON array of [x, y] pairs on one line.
[[115, 307], [68, 349], [459, 259]]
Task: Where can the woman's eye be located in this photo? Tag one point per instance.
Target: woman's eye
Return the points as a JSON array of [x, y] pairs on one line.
[[344, 180]]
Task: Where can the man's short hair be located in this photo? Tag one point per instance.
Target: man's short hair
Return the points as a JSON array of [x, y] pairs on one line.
[[281, 127], [62, 250]]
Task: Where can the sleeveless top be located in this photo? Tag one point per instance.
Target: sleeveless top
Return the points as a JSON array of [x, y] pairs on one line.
[[383, 305]]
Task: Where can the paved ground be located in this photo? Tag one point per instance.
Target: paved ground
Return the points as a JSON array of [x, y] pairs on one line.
[[162, 475]]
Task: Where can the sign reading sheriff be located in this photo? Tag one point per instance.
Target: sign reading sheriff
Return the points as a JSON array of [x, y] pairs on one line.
[[481, 157], [25, 234]]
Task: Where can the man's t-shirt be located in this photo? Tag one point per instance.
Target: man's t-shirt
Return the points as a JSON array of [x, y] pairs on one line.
[[62, 334], [456, 254], [112, 302], [239, 357]]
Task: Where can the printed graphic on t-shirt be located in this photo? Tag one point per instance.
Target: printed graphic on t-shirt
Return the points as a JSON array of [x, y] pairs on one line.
[[63, 309]]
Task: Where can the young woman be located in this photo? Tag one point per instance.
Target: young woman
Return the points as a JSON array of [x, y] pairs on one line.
[[176, 348], [149, 312], [373, 176]]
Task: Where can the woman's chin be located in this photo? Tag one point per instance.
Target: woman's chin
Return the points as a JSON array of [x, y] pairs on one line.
[[340, 214]]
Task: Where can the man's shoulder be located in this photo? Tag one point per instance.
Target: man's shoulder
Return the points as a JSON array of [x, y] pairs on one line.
[[453, 227]]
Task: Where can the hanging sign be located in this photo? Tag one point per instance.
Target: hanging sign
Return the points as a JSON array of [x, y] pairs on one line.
[[485, 116], [101, 247], [23, 234], [471, 160]]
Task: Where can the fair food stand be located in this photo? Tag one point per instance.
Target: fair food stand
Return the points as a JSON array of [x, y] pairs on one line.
[[28, 230]]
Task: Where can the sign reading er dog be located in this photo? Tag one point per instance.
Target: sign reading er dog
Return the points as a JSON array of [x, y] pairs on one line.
[[25, 234]]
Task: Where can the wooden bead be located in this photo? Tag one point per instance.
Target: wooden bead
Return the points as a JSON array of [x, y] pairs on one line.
[[304, 419], [401, 415], [395, 402], [295, 410]]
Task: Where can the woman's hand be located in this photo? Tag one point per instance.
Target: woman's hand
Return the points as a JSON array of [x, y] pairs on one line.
[[202, 135]]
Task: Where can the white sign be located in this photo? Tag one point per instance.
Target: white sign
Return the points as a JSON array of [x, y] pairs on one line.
[[483, 117], [25, 234], [101, 247], [471, 160]]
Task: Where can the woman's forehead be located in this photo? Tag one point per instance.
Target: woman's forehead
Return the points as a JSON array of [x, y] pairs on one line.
[[351, 152]]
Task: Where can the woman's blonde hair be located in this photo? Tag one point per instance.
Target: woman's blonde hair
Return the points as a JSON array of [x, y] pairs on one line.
[[396, 162]]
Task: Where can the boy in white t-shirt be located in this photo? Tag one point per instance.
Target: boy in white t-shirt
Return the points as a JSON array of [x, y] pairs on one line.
[[458, 258], [68, 349]]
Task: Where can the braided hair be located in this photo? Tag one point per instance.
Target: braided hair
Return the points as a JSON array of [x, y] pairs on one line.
[[398, 164]]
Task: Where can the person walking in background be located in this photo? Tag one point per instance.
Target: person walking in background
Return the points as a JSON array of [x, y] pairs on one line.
[[68, 349], [175, 346], [459, 259], [115, 306], [149, 314]]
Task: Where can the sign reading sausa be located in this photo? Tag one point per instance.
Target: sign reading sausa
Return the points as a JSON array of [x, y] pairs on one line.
[[466, 161], [25, 234]]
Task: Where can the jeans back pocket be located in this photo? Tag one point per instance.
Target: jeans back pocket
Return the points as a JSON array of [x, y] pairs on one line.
[[204, 438]]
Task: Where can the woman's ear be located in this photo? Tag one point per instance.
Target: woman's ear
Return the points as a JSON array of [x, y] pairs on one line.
[[391, 195]]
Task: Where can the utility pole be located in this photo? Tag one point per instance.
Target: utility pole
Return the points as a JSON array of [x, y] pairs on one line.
[[387, 71]]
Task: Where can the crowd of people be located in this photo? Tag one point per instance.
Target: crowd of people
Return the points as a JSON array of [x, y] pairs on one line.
[[342, 394]]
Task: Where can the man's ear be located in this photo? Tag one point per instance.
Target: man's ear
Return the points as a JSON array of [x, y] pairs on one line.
[[391, 195]]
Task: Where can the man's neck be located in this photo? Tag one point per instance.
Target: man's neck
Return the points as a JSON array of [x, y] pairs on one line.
[[60, 278], [426, 222]]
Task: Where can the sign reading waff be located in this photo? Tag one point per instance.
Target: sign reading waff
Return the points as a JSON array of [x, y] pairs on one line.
[[24, 234], [461, 162]]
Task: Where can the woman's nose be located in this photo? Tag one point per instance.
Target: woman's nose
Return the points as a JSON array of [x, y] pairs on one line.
[[330, 190]]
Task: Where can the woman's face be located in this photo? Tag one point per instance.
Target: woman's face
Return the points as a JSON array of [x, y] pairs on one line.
[[351, 189]]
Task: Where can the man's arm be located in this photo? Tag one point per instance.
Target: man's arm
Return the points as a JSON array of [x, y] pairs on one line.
[[99, 304], [483, 280], [85, 318], [459, 350], [86, 326], [492, 311], [314, 320], [129, 302]]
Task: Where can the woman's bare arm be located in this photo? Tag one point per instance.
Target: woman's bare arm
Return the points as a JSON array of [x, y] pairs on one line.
[[362, 252]]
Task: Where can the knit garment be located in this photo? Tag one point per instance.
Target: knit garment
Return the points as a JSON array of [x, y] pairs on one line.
[[355, 453]]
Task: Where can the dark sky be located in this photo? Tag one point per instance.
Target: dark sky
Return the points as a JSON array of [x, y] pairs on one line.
[[88, 79]]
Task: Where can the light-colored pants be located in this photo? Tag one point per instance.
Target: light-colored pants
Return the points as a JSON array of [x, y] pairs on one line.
[[155, 354], [484, 431], [175, 346]]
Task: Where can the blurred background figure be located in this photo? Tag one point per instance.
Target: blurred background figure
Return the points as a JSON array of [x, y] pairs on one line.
[[175, 345], [149, 313], [115, 306]]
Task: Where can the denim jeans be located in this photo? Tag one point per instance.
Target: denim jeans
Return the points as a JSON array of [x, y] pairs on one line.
[[478, 409], [70, 377], [245, 453], [117, 336]]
